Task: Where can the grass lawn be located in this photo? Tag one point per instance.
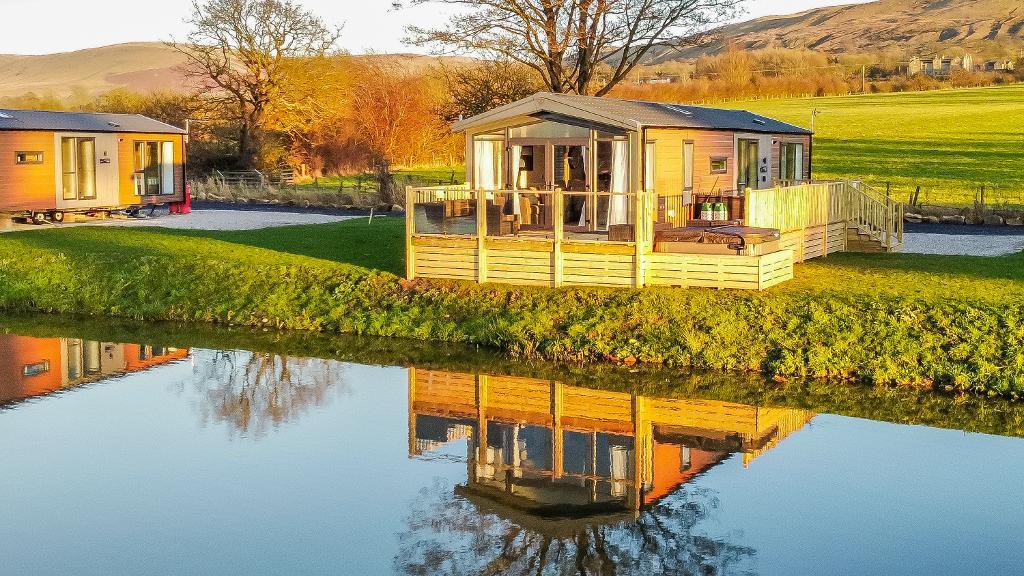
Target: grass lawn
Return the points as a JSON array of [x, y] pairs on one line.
[[949, 142], [416, 176], [933, 321]]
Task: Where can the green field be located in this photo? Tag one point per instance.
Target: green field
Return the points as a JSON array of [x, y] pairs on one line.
[[949, 142]]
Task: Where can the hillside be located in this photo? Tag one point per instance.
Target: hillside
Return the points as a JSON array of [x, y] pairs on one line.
[[987, 27], [140, 66]]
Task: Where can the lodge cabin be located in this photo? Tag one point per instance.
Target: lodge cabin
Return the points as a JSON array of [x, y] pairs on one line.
[[578, 190], [53, 163], [35, 367], [541, 449]]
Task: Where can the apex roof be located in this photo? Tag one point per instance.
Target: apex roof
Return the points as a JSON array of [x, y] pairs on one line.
[[82, 122], [632, 114]]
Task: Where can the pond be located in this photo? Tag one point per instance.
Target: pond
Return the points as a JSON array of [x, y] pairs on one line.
[[171, 457]]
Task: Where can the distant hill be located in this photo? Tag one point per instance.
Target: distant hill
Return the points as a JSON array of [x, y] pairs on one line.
[[140, 66], [986, 27]]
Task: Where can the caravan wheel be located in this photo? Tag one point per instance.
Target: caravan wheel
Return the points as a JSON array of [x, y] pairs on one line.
[[38, 218], [57, 217]]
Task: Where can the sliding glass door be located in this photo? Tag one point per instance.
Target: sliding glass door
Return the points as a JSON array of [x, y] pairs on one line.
[[78, 166], [746, 165]]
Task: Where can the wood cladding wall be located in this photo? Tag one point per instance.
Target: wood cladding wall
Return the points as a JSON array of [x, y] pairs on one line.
[[126, 163], [27, 186], [707, 144]]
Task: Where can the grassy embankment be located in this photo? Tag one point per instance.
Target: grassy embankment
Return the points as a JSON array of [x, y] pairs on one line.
[[949, 142], [903, 405], [942, 322]]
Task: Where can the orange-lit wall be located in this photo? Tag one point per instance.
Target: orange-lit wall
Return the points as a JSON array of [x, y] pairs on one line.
[[18, 351], [126, 167], [668, 476], [25, 187], [133, 363]]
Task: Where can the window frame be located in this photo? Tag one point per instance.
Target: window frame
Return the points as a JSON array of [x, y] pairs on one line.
[[785, 168], [37, 153], [76, 169], [725, 165], [139, 173]]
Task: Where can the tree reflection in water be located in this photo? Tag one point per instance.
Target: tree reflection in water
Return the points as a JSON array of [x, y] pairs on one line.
[[448, 534], [256, 392]]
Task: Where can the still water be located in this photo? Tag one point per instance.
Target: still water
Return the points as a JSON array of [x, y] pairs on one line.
[[147, 459]]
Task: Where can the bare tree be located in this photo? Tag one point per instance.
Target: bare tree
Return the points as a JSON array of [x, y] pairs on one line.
[[239, 48], [568, 42], [487, 85]]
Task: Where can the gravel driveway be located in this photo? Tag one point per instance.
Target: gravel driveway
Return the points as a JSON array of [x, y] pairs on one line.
[[211, 219], [963, 240]]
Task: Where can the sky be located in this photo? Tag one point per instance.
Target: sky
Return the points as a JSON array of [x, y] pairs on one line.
[[48, 26]]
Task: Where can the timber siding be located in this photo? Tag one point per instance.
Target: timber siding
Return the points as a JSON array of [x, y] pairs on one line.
[[27, 186], [778, 141], [126, 168], [706, 144]]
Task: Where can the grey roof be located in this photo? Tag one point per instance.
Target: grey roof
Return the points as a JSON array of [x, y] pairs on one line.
[[640, 114], [82, 122]]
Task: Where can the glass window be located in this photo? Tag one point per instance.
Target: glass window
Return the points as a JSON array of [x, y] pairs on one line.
[[719, 165], [28, 157], [688, 165], [68, 162], [78, 168], [747, 164], [791, 162], [150, 170], [86, 168], [649, 166]]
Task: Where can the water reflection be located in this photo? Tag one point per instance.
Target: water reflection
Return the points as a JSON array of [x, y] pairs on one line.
[[254, 392], [31, 367], [459, 468], [562, 478]]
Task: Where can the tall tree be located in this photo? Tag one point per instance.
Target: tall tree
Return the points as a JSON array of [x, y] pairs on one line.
[[240, 48], [576, 46]]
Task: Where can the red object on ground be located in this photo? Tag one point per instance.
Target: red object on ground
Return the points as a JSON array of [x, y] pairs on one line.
[[185, 206]]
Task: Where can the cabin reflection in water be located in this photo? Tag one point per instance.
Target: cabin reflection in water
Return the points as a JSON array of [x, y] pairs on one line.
[[38, 366], [559, 451]]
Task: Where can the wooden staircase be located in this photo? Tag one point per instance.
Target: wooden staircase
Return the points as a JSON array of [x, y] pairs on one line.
[[874, 220]]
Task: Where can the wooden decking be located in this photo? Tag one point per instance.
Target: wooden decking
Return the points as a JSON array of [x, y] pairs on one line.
[[813, 220], [655, 431]]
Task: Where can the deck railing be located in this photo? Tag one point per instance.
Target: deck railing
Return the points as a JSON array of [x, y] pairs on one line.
[[789, 208], [801, 206]]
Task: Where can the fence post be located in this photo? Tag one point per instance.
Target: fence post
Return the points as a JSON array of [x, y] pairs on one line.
[[639, 233], [559, 232], [481, 236], [410, 229]]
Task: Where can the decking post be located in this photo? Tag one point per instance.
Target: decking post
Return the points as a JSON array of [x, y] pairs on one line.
[[558, 439], [481, 423], [556, 246], [412, 412], [410, 229], [639, 234], [481, 236]]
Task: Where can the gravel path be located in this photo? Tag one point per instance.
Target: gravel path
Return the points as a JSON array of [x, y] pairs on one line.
[[207, 219], [918, 238], [963, 240]]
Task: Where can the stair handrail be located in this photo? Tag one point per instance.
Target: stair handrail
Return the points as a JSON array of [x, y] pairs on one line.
[[878, 216]]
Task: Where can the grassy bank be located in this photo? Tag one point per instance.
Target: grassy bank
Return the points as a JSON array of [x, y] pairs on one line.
[[902, 406], [949, 142], [942, 322]]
